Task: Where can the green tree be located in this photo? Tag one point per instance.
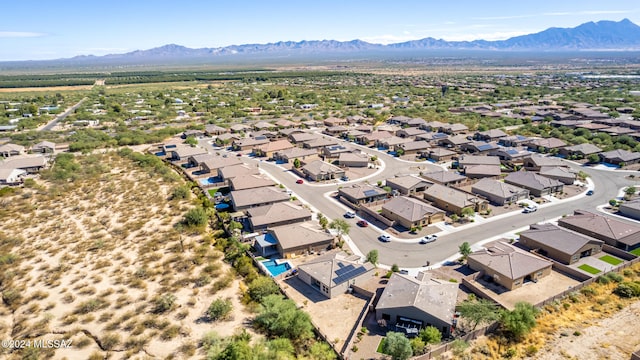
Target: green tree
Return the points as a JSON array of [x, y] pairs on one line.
[[297, 163], [467, 212], [630, 191], [191, 140], [181, 192], [372, 257], [321, 351], [261, 287], [323, 221], [280, 317], [196, 217], [398, 346], [480, 311], [395, 268], [399, 152], [341, 226], [431, 335], [418, 346], [519, 321], [220, 309], [465, 250], [237, 350], [280, 348]]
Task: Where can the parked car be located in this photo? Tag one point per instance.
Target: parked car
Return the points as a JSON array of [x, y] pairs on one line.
[[530, 209], [349, 214], [362, 223], [590, 192], [384, 238], [428, 239], [344, 178], [299, 181]]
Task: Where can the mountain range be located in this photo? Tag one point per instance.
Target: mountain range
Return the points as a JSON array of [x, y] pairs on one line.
[[603, 35]]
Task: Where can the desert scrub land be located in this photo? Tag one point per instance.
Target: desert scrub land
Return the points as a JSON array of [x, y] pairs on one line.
[[92, 251], [592, 323]]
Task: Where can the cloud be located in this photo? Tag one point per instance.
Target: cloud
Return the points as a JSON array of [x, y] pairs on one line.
[[20, 34], [589, 12]]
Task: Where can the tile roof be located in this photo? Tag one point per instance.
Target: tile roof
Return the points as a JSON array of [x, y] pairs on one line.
[[335, 268], [410, 208], [498, 188], [623, 232], [298, 235], [263, 195], [275, 213], [553, 236], [531, 180], [450, 195]]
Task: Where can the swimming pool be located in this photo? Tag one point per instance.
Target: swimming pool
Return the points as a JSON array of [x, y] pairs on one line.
[[208, 181], [276, 269]]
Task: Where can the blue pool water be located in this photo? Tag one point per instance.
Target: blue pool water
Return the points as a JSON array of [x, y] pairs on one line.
[[161, 153], [276, 269], [207, 181]]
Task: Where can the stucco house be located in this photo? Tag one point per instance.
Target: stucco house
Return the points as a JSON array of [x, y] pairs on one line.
[[333, 274], [498, 192], [559, 244], [453, 200], [613, 232], [410, 212]]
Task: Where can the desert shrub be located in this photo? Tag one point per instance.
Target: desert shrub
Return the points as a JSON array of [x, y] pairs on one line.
[[627, 289], [91, 306], [110, 341], [164, 303], [220, 309]]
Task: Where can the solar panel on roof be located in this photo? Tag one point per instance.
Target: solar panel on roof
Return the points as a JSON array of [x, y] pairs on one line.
[[512, 152], [370, 193], [349, 275], [485, 147]]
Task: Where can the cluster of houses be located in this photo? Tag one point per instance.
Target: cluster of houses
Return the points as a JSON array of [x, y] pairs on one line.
[[17, 162]]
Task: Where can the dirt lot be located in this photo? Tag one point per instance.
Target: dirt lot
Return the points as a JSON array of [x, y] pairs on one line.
[[95, 255]]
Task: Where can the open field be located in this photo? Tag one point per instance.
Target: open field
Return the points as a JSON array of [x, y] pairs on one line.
[[47, 88], [98, 260]]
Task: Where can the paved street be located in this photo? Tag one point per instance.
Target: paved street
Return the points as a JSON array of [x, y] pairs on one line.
[[607, 184], [51, 124]]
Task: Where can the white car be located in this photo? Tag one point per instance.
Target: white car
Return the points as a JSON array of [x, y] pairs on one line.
[[428, 239], [384, 238], [530, 209], [349, 214]]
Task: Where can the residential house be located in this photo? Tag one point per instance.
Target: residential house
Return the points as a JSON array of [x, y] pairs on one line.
[[479, 147], [319, 143], [413, 147], [511, 155], [249, 143], [472, 160], [513, 140], [410, 212], [300, 239], [509, 266], [447, 178], [299, 138], [455, 128], [288, 155], [453, 200], [620, 157], [353, 159], [269, 149], [408, 184], [391, 142], [498, 192], [8, 150], [580, 151], [399, 120], [212, 129], [334, 151], [333, 121], [32, 164], [359, 194], [245, 199], [537, 162], [490, 135], [237, 128], [250, 182], [565, 175], [319, 170], [433, 126], [335, 130], [408, 304], [11, 176], [433, 138], [454, 141], [630, 209], [545, 145], [212, 163], [277, 214], [288, 131], [410, 132], [537, 185], [439, 154], [333, 274], [285, 124], [372, 138], [183, 152], [613, 232], [240, 170], [263, 125], [482, 171], [45, 147], [559, 244], [226, 138]]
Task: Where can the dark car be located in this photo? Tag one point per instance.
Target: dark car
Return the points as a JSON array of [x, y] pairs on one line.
[[362, 223], [590, 192]]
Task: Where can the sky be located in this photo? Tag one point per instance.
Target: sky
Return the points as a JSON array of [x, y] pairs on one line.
[[39, 30]]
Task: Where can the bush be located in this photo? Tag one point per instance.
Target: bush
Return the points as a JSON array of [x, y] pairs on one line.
[[430, 335], [628, 289], [164, 303], [196, 217], [181, 192], [220, 309]]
